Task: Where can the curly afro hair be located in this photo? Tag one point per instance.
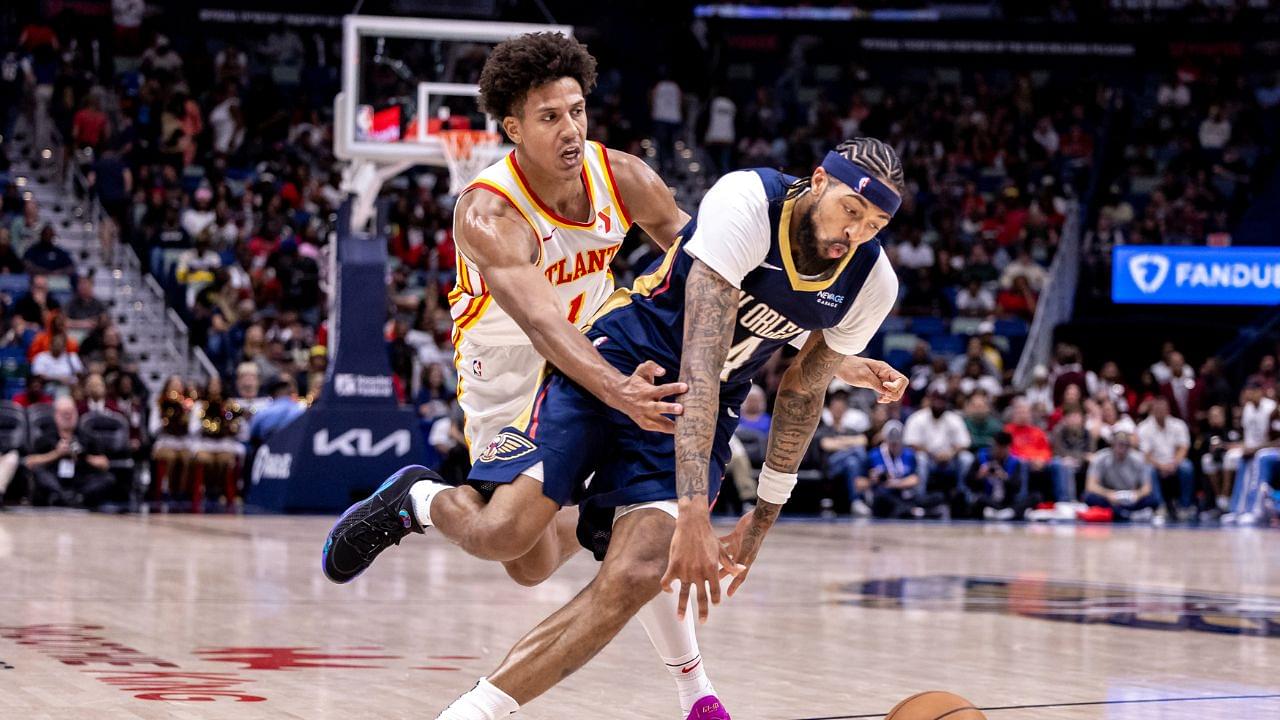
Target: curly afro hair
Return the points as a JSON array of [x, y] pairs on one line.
[[520, 64]]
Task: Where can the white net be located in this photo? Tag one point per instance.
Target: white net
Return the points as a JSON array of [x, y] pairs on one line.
[[467, 152]]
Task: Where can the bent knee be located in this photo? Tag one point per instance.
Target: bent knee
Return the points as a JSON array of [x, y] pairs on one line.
[[634, 581], [528, 574]]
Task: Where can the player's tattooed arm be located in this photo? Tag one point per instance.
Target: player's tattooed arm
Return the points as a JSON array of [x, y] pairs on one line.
[[711, 306], [796, 412], [798, 405]]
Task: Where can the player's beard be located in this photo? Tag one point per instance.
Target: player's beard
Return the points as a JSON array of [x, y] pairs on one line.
[[809, 260]]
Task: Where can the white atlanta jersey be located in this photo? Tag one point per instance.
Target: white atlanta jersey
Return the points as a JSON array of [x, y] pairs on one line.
[[498, 369], [574, 253]]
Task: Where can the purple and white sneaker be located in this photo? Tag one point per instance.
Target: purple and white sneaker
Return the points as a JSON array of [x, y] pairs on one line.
[[709, 708]]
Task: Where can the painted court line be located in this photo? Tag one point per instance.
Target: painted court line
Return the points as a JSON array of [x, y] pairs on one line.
[[1074, 704]]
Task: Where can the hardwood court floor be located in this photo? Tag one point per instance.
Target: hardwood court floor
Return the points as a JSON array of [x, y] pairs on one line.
[[1065, 623]]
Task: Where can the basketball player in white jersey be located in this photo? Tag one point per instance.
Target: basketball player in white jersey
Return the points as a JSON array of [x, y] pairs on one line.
[[536, 233]]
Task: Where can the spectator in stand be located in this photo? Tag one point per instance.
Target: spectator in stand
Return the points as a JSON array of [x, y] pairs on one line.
[[1031, 445], [893, 479], [974, 300], [1018, 300], [1111, 386], [127, 399], [1260, 428], [84, 310], [997, 489], [1069, 370], [90, 126], [10, 262], [57, 365], [843, 440], [1218, 445], [1024, 267], [1210, 389], [1072, 447], [976, 379], [721, 131], [44, 339], [35, 306], [1120, 480], [45, 257], [1165, 441], [973, 352], [1266, 375], [25, 230], [317, 366], [1215, 131], [95, 395], [1177, 389], [33, 393], [981, 423], [666, 101], [914, 253], [111, 180], [448, 440], [197, 218], [197, 265], [67, 475], [1039, 394], [940, 441], [282, 410], [754, 413]]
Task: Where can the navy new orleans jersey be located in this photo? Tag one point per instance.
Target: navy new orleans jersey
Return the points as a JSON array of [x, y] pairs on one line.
[[777, 304], [742, 233]]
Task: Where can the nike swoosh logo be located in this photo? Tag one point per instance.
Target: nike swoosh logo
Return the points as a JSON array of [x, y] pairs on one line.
[[767, 266], [731, 412], [691, 668]]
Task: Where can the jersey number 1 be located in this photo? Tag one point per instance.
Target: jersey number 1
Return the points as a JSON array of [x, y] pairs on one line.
[[575, 307]]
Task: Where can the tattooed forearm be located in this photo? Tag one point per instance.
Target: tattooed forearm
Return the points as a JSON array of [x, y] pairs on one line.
[[711, 304], [798, 406]]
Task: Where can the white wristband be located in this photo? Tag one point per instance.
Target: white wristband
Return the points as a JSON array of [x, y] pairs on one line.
[[775, 487]]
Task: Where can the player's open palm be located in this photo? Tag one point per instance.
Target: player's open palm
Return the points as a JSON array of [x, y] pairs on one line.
[[696, 556], [644, 401]]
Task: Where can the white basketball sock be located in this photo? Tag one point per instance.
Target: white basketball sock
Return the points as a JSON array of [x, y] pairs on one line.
[[677, 644], [483, 702], [422, 493]]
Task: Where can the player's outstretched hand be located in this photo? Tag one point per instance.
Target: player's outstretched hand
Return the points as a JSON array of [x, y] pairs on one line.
[[644, 401], [889, 384], [742, 546], [696, 556]]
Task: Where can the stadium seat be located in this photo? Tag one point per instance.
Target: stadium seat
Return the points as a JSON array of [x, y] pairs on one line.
[[42, 431], [13, 427]]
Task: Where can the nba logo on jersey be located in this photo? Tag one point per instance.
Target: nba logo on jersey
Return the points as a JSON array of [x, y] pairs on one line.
[[476, 368], [862, 185]]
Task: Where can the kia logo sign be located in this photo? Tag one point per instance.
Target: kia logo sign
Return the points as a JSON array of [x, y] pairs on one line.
[[359, 442]]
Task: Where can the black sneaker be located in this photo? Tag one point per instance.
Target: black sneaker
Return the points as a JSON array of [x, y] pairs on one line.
[[372, 525]]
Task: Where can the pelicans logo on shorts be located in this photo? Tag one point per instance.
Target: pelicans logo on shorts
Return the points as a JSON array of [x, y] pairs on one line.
[[507, 446]]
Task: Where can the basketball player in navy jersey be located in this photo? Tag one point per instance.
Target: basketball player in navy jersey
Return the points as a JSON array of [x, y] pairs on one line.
[[530, 230], [768, 259]]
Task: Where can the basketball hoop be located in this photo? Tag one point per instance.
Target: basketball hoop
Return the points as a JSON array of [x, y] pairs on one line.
[[467, 152]]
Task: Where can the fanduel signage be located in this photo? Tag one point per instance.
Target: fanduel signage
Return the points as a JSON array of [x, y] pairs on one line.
[[1195, 275]]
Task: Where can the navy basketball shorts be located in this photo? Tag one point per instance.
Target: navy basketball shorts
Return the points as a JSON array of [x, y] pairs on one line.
[[575, 436]]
